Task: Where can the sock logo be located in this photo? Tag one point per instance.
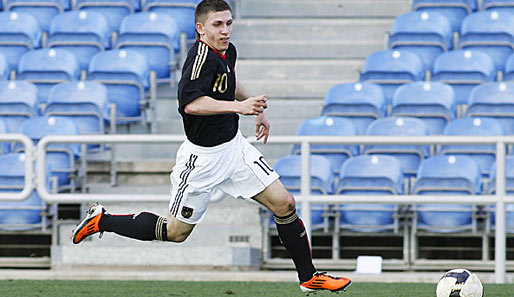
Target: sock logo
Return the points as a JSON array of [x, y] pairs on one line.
[[187, 212]]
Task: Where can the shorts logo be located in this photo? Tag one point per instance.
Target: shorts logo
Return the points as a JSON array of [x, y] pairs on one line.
[[187, 212]]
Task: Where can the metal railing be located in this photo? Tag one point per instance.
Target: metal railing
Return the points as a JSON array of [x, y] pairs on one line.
[[29, 167], [499, 199]]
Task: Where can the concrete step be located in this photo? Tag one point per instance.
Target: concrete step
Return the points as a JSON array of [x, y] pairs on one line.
[[321, 8], [312, 29], [294, 89]]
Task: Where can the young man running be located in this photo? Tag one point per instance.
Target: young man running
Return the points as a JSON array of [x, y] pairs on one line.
[[216, 155]]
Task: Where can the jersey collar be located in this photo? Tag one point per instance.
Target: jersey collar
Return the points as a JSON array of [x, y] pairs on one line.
[[219, 54]]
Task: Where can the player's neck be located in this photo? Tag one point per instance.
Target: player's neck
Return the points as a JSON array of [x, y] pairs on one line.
[[220, 53]]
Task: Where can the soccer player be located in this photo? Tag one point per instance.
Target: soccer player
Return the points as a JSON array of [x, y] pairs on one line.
[[216, 155]]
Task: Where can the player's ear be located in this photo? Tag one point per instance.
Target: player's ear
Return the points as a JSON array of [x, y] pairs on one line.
[[200, 28]]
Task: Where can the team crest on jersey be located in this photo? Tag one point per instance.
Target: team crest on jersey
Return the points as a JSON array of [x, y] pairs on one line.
[[187, 212]]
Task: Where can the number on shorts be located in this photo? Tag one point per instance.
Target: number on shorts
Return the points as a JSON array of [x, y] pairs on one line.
[[263, 165]]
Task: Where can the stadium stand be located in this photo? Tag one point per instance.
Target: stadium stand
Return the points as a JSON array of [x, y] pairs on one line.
[[19, 33], [509, 188], [113, 11], [42, 10], [463, 69], [182, 11], [47, 67], [495, 100], [359, 102], [491, 32], [392, 68], [509, 69], [4, 67], [60, 158], [370, 175], [154, 35], [454, 10], [4, 147], [483, 154], [409, 156], [82, 33], [498, 5], [322, 182], [334, 126], [431, 102], [446, 175], [18, 102], [427, 34], [22, 215]]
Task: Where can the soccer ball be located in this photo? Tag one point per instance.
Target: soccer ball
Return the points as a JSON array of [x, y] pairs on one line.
[[459, 283]]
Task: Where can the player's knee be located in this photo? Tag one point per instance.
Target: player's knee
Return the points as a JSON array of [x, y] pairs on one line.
[[286, 206]]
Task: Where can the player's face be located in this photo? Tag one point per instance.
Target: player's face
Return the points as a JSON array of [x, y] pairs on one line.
[[216, 30]]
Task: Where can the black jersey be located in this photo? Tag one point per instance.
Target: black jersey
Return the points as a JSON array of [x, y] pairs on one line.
[[208, 73]]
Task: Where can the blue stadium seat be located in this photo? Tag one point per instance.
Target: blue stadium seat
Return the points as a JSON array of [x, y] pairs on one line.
[[427, 34], [183, 11], [454, 10], [409, 156], [4, 67], [154, 35], [498, 5], [369, 175], [463, 69], [42, 10], [495, 100], [509, 188], [483, 154], [125, 74], [60, 158], [19, 215], [331, 126], [392, 68], [431, 102], [509, 69], [18, 102], [322, 181], [362, 103], [4, 146], [113, 10], [84, 102], [81, 33], [19, 33], [446, 175], [47, 67], [491, 32]]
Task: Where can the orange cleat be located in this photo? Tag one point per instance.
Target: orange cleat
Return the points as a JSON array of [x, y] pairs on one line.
[[89, 225], [323, 281]]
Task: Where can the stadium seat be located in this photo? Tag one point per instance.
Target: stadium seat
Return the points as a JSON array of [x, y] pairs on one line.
[[19, 33], [322, 181], [47, 67], [369, 175], [42, 10], [392, 68], [19, 215], [498, 5], [125, 73], [446, 175], [113, 10], [463, 69], [431, 102], [409, 156], [494, 100], [483, 154], [60, 158], [491, 32], [84, 102], [509, 69], [330, 126], [509, 188], [454, 10], [183, 11], [359, 102], [4, 146], [81, 33], [427, 34], [4, 67], [18, 102], [154, 35]]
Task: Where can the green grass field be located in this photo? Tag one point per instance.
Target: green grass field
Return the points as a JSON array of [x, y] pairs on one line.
[[30, 288]]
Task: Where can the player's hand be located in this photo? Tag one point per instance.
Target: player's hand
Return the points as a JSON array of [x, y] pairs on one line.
[[253, 105], [262, 127]]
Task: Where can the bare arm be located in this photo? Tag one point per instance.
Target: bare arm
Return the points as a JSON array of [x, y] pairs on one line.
[[262, 125], [206, 105]]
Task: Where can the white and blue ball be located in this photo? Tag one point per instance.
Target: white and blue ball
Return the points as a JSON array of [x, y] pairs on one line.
[[459, 283]]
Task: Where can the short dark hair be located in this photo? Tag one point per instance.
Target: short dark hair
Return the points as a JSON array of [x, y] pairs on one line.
[[207, 6]]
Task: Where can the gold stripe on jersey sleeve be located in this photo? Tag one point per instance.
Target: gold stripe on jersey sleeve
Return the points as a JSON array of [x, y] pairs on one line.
[[200, 58]]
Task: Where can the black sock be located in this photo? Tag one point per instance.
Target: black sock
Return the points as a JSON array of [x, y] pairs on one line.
[[142, 226], [294, 237]]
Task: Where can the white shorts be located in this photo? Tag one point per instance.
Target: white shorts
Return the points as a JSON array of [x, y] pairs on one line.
[[237, 168]]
